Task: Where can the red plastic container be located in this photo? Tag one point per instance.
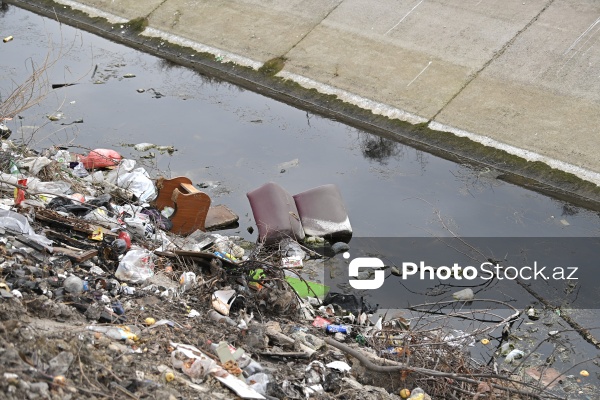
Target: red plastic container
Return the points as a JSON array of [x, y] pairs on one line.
[[275, 213], [322, 213]]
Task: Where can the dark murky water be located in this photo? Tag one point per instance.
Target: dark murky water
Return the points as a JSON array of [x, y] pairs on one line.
[[235, 140]]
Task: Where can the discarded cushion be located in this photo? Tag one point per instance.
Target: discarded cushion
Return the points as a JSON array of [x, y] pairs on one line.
[[322, 213], [275, 213]]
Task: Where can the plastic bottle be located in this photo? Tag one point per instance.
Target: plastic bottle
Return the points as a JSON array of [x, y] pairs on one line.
[[19, 194], [225, 255], [215, 316], [338, 328], [226, 246], [113, 332], [14, 170]]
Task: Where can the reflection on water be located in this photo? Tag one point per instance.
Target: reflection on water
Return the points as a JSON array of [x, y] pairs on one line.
[[383, 150], [3, 8], [379, 149]]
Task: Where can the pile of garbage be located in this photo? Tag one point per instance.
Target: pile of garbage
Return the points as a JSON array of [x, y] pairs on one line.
[[115, 284]]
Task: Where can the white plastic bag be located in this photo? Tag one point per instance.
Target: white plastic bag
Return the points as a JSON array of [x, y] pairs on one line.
[[14, 222], [514, 355], [34, 164], [101, 215], [80, 171], [62, 156], [56, 187], [140, 226], [139, 183], [18, 223], [136, 266], [259, 382], [125, 166], [464, 295], [144, 146]]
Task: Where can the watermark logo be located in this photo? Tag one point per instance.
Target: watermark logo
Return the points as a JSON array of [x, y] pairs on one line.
[[486, 271], [366, 262], [398, 271]]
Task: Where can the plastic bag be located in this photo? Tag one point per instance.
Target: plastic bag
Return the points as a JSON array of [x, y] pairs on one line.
[[9, 179], [20, 193], [34, 164], [198, 369], [464, 295], [144, 146], [193, 365], [97, 177], [139, 183], [140, 226], [290, 248], [158, 219], [100, 158], [62, 156], [514, 355], [259, 382], [101, 215], [136, 266], [80, 171], [57, 187], [14, 222], [17, 223]]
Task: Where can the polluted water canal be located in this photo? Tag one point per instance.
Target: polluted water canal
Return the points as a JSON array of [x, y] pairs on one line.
[[438, 236]]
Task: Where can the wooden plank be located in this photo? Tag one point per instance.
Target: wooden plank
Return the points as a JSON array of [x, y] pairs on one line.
[[62, 238], [289, 354], [77, 256], [80, 225], [189, 188]]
